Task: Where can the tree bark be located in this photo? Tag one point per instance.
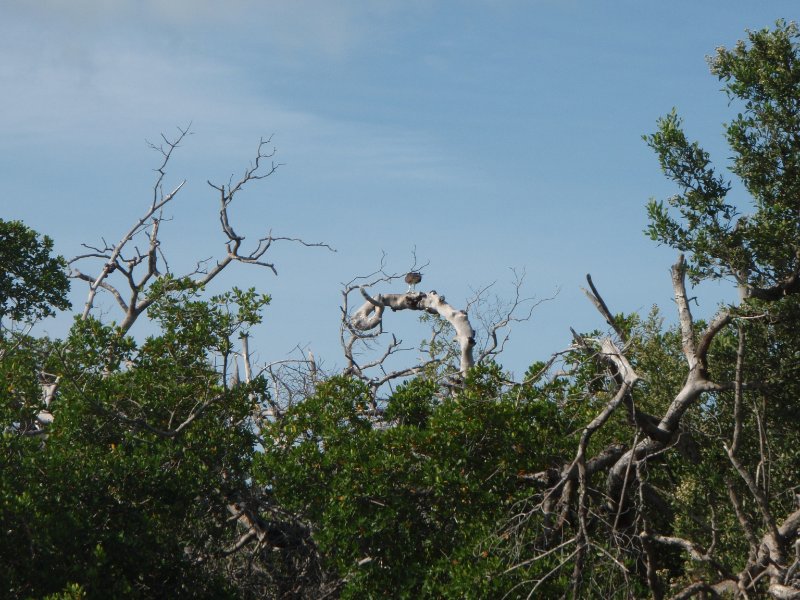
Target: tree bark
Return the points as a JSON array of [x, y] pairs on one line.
[[370, 315]]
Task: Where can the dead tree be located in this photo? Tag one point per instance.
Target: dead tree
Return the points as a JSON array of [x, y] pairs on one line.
[[127, 273], [138, 269], [362, 329], [622, 510]]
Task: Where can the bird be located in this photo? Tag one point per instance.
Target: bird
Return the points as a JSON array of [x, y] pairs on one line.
[[412, 279]]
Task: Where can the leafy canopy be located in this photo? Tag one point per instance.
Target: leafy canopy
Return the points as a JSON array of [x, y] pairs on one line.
[[33, 283], [762, 78]]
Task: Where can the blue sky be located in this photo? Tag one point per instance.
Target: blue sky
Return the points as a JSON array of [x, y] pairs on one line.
[[485, 135]]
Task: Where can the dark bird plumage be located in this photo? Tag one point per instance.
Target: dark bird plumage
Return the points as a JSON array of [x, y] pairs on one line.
[[412, 279]]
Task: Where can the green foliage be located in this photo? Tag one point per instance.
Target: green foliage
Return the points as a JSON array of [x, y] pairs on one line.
[[72, 591], [412, 403], [707, 217], [401, 510], [433, 492], [762, 78], [126, 495], [33, 283], [761, 251]]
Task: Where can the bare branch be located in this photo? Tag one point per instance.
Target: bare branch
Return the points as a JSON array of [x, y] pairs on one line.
[[684, 313], [505, 316], [140, 268], [601, 306], [369, 316]]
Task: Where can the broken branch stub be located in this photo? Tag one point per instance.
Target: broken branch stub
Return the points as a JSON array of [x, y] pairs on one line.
[[370, 315]]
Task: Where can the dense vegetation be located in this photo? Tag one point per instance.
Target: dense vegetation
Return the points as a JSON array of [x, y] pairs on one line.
[[649, 461]]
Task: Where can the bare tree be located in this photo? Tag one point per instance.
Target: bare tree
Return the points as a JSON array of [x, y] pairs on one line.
[[578, 519], [453, 342], [138, 269], [128, 273]]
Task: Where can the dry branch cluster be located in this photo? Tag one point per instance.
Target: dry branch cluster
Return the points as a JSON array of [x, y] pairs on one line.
[[624, 509], [453, 342]]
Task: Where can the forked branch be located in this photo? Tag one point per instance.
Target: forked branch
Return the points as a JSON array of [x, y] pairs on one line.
[[138, 269]]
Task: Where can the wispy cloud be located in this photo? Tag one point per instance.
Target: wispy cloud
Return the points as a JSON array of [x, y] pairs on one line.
[[307, 27], [75, 73]]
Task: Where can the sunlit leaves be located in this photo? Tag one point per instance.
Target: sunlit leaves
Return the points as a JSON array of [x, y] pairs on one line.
[[126, 495], [415, 492], [762, 80]]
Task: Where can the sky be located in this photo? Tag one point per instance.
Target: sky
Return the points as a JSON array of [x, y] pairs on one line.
[[481, 137]]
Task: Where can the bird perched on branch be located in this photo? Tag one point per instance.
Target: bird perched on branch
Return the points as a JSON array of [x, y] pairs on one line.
[[412, 279]]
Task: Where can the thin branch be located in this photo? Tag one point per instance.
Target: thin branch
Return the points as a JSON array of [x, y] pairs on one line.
[[601, 306]]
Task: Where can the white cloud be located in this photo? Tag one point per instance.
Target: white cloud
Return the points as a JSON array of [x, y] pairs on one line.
[[76, 84], [304, 28]]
